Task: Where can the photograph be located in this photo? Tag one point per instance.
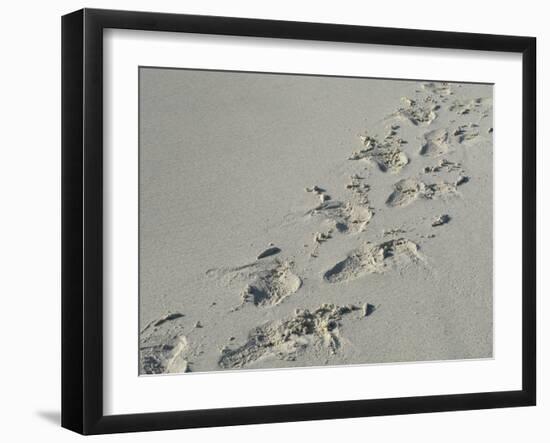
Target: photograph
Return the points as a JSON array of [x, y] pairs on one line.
[[297, 220]]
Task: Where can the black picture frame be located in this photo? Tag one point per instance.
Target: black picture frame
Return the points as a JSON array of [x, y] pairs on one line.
[[82, 216]]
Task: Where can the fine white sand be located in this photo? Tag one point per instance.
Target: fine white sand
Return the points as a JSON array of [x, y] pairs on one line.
[[298, 220]]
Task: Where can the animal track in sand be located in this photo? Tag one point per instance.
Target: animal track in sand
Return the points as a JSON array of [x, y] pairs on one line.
[[386, 154], [408, 190], [371, 259], [288, 338], [272, 285]]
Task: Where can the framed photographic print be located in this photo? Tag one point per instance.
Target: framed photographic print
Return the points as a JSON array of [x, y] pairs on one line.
[[269, 221]]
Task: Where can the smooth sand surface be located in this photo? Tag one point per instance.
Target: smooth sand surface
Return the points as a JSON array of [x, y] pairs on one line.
[[302, 221]]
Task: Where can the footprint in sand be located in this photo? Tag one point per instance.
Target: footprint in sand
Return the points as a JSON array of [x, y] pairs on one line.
[[318, 239], [405, 192], [288, 338], [436, 143], [371, 259], [444, 165], [349, 217], [272, 285], [266, 281], [163, 348], [440, 89], [408, 190], [418, 112], [386, 154], [466, 133], [471, 106]]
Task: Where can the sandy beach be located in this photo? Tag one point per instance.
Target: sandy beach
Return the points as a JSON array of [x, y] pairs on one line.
[[293, 221]]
